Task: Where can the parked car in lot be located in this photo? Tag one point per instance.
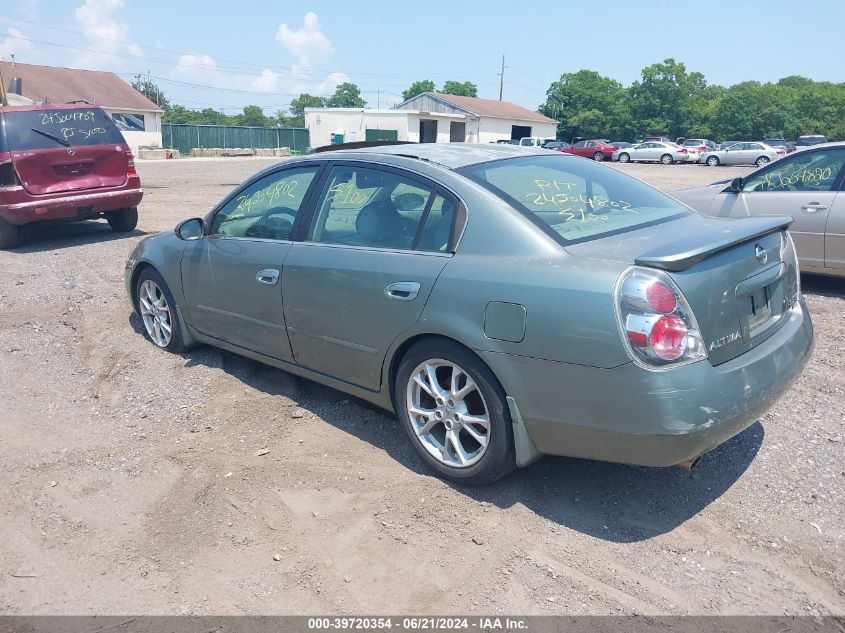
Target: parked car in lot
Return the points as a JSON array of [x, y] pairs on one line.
[[726, 144], [655, 152], [556, 145], [596, 149], [659, 139], [64, 162], [493, 297], [534, 141], [742, 154], [700, 145], [803, 142], [779, 143], [806, 185]]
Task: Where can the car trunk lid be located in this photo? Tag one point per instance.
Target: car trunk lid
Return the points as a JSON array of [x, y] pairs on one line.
[[738, 276], [63, 149]]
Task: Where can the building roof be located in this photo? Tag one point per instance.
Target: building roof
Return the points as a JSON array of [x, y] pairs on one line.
[[485, 107], [61, 85]]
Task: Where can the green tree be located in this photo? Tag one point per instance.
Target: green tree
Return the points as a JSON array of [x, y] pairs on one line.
[[588, 104], [151, 91], [663, 101], [346, 95], [417, 88], [305, 100], [254, 116], [461, 89]]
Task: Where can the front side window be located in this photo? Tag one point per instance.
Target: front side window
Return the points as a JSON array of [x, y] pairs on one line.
[[362, 206], [802, 171], [267, 208], [573, 199]]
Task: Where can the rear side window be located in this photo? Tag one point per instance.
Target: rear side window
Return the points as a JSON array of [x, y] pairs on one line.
[[128, 122], [48, 129], [574, 200]]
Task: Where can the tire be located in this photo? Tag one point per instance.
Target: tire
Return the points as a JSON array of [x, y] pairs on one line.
[[713, 161], [9, 234], [485, 400], [151, 285], [624, 157], [667, 159], [598, 157], [762, 160], [123, 220]]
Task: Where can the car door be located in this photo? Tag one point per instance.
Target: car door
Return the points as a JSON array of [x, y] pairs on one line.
[[802, 185], [579, 148], [652, 152], [378, 239], [232, 277]]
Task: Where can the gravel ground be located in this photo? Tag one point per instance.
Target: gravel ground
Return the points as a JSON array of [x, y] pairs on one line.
[[133, 481]]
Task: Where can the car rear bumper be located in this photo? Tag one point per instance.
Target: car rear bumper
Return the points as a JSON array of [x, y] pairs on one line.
[[652, 418], [24, 208]]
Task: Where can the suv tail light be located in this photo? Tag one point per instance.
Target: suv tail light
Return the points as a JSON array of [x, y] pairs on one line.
[[657, 325], [8, 175], [130, 164]]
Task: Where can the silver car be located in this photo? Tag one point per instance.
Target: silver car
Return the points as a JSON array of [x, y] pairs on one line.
[[656, 152], [743, 153], [505, 302], [806, 185]]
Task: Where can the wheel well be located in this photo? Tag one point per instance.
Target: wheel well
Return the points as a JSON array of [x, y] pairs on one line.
[[400, 352], [141, 267]]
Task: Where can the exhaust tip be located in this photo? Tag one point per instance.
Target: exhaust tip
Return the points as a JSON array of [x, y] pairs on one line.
[[690, 463]]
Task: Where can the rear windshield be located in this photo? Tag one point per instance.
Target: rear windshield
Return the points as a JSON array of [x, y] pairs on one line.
[[573, 199], [47, 129]]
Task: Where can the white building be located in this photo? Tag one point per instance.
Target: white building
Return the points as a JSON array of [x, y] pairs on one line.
[[138, 118], [430, 117]]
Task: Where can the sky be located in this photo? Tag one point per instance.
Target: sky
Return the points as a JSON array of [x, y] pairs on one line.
[[226, 55]]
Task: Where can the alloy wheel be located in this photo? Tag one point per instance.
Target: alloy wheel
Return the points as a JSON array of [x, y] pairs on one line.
[[598, 157], [448, 413], [763, 160], [713, 161], [158, 320], [666, 159], [624, 158]]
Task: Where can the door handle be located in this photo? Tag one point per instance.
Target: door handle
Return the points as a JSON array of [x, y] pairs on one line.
[[403, 290], [267, 276], [812, 207]]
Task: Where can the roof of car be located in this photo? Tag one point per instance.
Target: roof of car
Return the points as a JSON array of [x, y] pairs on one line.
[[451, 155]]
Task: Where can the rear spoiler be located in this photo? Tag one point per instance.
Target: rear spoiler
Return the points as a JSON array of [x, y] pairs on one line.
[[721, 235]]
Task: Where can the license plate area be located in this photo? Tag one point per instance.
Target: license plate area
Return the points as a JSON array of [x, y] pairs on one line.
[[759, 308]]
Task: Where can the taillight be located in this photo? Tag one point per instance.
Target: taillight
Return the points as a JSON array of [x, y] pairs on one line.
[[702, 148], [682, 151], [130, 165], [657, 324], [8, 175]]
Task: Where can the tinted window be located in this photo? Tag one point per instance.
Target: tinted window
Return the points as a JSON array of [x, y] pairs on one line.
[[267, 208], [128, 122], [48, 129], [361, 206], [574, 199], [802, 171]]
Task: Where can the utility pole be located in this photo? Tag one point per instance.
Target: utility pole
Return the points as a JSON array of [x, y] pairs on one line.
[[502, 77]]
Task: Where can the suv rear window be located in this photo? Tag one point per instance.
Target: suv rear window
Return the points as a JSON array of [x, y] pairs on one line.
[[50, 128], [574, 200]]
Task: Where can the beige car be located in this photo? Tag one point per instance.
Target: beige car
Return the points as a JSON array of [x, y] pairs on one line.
[[807, 185]]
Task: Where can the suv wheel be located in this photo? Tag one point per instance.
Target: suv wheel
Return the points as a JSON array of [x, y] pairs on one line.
[[123, 220], [8, 234], [455, 413]]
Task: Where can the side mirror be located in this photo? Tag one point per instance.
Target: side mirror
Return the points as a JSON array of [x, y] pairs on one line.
[[192, 229], [737, 184]]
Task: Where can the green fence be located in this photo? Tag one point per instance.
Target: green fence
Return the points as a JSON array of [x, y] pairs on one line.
[[185, 137]]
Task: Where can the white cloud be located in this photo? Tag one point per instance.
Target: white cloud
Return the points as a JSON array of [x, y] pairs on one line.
[[11, 45], [105, 32], [307, 43]]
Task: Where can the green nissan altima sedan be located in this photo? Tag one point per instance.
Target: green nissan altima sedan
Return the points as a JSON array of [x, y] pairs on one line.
[[504, 302]]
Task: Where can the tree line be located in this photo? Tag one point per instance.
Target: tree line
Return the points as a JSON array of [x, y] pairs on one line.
[[668, 100]]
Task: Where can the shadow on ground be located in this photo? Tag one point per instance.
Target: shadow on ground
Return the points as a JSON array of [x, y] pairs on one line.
[[823, 285], [49, 236], [612, 502]]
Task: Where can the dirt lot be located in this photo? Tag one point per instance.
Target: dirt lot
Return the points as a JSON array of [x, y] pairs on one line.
[[130, 480]]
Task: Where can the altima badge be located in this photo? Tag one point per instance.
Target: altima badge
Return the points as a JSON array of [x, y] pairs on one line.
[[762, 255]]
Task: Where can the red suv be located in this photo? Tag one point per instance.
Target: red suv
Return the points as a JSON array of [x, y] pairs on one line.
[[64, 162], [597, 149]]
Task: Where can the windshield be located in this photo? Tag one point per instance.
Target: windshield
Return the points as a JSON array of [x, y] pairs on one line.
[[573, 199], [48, 129]]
